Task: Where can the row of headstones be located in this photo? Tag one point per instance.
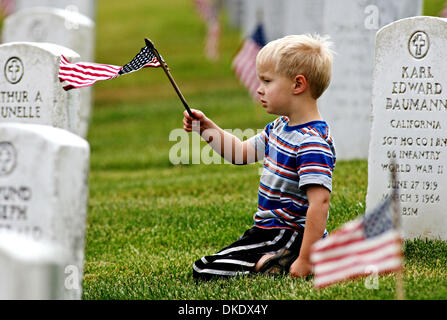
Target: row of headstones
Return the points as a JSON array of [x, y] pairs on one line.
[[351, 25], [44, 158], [29, 30], [387, 101], [43, 170]]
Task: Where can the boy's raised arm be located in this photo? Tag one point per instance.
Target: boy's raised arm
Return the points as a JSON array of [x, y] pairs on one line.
[[230, 147]]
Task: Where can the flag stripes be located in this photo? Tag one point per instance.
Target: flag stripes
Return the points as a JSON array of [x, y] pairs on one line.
[[244, 63], [7, 7], [244, 66], [84, 74], [209, 12], [359, 246], [212, 40]]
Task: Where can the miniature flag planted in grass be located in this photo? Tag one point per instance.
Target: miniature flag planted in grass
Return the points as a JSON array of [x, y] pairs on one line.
[[367, 243], [84, 74], [7, 7], [443, 13], [209, 12], [244, 63]]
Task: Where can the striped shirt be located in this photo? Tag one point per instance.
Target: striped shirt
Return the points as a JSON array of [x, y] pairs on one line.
[[294, 157]]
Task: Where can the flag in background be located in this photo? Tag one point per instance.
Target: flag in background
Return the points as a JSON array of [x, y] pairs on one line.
[[209, 12], [244, 62], [444, 11], [83, 74], [212, 40], [367, 243], [7, 7]]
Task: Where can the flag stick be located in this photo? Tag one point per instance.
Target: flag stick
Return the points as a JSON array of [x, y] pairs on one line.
[[400, 293], [163, 64]]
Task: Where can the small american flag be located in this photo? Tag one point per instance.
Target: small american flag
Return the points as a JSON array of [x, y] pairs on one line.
[[367, 243], [83, 74], [244, 62]]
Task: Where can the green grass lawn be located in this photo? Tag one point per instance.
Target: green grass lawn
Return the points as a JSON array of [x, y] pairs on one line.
[[150, 220]]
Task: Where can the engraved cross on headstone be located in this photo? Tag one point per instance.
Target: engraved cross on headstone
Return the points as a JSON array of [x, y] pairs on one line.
[[419, 42], [14, 69], [5, 157]]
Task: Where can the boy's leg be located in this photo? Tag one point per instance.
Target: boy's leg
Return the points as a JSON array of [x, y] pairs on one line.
[[261, 261], [241, 256]]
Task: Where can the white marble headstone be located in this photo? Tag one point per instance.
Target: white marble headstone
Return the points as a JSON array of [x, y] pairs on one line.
[[30, 270], [44, 188], [63, 27], [269, 13], [409, 124], [85, 7], [346, 105], [30, 88]]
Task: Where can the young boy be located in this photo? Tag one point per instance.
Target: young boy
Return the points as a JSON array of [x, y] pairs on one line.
[[299, 158]]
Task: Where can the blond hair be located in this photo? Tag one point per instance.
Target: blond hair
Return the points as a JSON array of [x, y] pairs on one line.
[[307, 55]]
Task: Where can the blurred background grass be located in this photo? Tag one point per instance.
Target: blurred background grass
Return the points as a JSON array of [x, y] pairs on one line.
[[150, 220]]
